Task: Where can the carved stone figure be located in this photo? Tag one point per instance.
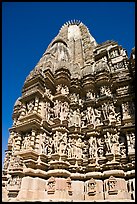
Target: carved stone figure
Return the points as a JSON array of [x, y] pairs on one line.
[[132, 140], [62, 143], [69, 186], [48, 93], [107, 137], [98, 117], [64, 111], [56, 139], [90, 115], [74, 118], [111, 113], [92, 147], [47, 111], [83, 118], [112, 185], [30, 106], [122, 143], [125, 108], [57, 108], [100, 149], [105, 110], [69, 148], [27, 141], [79, 145]]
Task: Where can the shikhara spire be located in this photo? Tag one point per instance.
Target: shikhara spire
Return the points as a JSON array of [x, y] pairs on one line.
[[73, 132]]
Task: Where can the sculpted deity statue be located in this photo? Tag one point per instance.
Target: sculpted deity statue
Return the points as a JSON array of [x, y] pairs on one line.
[[125, 108], [64, 111], [107, 137], [122, 149], [48, 92], [74, 149], [44, 144], [57, 108], [98, 117], [112, 185], [77, 119], [27, 141], [74, 118], [81, 101], [115, 148], [56, 139], [105, 110], [132, 140], [51, 185], [79, 145], [85, 147], [122, 143], [92, 147], [30, 106], [69, 148], [100, 145], [63, 143], [47, 110], [83, 118], [90, 116], [111, 112]]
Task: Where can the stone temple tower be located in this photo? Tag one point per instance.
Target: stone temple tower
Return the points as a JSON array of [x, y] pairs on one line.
[[73, 132]]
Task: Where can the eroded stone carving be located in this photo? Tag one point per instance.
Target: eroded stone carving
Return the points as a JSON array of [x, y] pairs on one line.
[[112, 185], [30, 106], [51, 185], [91, 187], [69, 187]]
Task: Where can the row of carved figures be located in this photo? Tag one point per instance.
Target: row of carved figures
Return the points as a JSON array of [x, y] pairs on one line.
[[95, 147], [83, 117], [64, 143], [74, 97], [104, 90]]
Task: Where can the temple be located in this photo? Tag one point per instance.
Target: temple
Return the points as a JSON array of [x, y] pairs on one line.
[[73, 132]]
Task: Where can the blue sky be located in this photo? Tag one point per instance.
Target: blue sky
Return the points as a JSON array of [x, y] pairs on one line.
[[29, 27]]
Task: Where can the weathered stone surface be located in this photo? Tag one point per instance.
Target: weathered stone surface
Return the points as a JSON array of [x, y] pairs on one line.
[[73, 133]]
